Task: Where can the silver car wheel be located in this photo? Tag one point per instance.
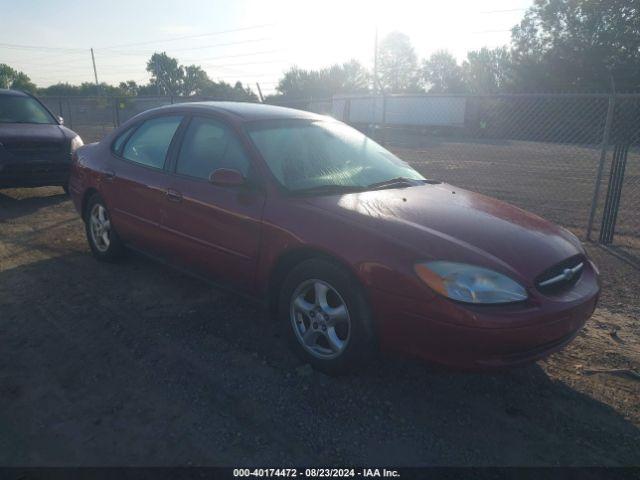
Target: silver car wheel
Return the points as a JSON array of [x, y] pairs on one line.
[[320, 319], [100, 228]]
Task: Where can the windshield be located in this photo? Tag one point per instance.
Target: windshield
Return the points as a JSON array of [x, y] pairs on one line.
[[306, 155], [19, 109]]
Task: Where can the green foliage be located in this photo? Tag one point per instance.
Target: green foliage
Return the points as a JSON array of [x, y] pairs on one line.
[[87, 89], [442, 74], [488, 71], [350, 77], [166, 74], [225, 91], [578, 45], [11, 78], [195, 80], [168, 77], [128, 89], [397, 64]]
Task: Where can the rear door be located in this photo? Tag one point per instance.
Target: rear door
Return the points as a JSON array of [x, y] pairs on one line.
[[218, 227], [138, 183]]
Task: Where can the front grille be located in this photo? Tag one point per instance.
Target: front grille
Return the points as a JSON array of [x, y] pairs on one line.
[[32, 147], [561, 276], [34, 168]]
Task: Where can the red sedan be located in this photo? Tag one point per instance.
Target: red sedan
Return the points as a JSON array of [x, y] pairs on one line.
[[351, 248]]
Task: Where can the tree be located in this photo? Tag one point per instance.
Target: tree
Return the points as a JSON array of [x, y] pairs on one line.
[[166, 74], [11, 78], [488, 71], [299, 83], [60, 90], [225, 91], [397, 64], [442, 74], [350, 77], [128, 89], [195, 80], [578, 45]]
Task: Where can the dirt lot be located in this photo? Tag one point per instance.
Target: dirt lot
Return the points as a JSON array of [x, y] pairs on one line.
[[136, 364]]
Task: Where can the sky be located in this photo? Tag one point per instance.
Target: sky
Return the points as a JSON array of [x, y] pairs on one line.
[[247, 40]]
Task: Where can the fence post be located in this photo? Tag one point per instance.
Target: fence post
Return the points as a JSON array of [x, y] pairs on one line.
[[69, 111], [116, 112], [384, 119], [603, 156], [614, 192]]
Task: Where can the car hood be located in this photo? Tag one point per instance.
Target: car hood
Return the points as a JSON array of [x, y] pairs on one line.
[[442, 222], [11, 132]]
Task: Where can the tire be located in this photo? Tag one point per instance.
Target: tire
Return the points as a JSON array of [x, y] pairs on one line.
[[333, 345], [105, 249]]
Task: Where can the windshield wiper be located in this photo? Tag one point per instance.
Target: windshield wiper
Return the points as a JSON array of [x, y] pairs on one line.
[[394, 183], [329, 189]]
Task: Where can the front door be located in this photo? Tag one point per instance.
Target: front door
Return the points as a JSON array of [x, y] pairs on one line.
[[218, 227]]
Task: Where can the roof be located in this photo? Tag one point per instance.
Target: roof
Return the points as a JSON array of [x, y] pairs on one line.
[[12, 93], [249, 111]]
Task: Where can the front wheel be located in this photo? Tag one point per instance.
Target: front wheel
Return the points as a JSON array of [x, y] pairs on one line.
[[103, 239], [326, 316]]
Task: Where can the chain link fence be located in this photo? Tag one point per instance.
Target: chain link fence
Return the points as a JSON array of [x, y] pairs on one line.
[[571, 158]]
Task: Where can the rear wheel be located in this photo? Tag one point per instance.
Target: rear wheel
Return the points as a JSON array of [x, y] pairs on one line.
[[103, 239], [327, 318]]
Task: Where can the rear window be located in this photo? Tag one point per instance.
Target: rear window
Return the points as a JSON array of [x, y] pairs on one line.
[[19, 109], [117, 145], [150, 142]]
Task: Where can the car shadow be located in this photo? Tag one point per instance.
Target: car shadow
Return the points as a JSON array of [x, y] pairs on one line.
[[16, 203], [136, 363]]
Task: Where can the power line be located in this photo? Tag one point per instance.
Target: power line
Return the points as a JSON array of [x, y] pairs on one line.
[[491, 31], [196, 61], [221, 32], [247, 63], [79, 62], [200, 47], [236, 56], [41, 47], [509, 10]]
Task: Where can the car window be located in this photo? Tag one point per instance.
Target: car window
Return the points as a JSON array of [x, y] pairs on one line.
[[309, 154], [207, 146], [19, 109], [150, 142], [117, 145]]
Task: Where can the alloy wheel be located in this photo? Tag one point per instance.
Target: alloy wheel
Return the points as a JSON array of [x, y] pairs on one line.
[[320, 319], [100, 227]]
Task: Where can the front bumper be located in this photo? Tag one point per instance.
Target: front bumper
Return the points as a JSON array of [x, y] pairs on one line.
[[34, 173], [472, 337]]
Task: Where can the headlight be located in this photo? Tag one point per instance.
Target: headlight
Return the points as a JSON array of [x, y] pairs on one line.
[[470, 284], [76, 143]]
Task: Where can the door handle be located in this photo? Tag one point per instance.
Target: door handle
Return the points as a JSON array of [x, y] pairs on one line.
[[173, 196], [109, 175]]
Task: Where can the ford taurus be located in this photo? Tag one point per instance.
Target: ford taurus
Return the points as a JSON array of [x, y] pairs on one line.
[[353, 250]]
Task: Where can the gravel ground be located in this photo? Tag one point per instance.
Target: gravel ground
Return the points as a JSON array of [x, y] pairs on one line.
[[137, 364]]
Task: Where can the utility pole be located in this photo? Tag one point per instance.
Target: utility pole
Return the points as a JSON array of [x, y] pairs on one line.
[[95, 72], [375, 63], [260, 92]]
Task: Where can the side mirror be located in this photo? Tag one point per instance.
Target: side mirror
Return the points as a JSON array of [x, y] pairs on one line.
[[61, 120], [227, 177]]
